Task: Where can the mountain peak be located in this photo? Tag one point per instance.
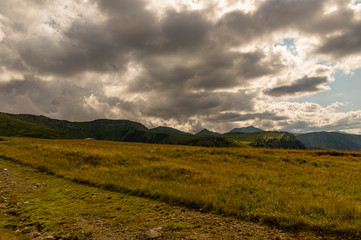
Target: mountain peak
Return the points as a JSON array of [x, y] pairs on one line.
[[206, 132], [249, 129]]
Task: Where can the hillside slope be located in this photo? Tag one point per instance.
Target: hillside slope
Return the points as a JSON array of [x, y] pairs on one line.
[[265, 139], [331, 140], [169, 130], [12, 127]]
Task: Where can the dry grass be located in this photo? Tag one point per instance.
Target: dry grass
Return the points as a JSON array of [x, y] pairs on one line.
[[299, 190]]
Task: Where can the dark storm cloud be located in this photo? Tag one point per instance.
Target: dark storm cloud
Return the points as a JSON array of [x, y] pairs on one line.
[[305, 84], [322, 24], [210, 71], [85, 46], [184, 105], [131, 23], [184, 30], [237, 27], [348, 43]]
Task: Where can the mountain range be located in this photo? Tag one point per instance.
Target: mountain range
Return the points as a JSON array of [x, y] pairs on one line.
[[28, 125], [331, 140]]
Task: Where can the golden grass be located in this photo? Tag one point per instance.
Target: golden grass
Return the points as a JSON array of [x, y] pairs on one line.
[[292, 189]]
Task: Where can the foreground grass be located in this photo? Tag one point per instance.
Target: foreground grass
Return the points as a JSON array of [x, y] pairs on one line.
[[296, 190], [6, 234], [43, 206]]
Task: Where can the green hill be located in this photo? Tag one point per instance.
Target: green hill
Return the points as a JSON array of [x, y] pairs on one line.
[[102, 129], [12, 127], [267, 139], [331, 140]]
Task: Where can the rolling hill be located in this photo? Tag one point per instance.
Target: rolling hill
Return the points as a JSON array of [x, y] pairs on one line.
[[103, 129], [117, 130], [12, 127]]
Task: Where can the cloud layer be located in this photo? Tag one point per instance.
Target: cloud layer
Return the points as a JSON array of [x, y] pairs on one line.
[[215, 64]]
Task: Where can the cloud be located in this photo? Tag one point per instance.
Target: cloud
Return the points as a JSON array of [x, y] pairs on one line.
[[61, 99], [184, 105], [239, 28], [237, 117], [184, 30], [174, 62], [303, 85], [345, 44]]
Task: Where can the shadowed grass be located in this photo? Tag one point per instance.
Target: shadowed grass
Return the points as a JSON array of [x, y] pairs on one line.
[[295, 190], [5, 234]]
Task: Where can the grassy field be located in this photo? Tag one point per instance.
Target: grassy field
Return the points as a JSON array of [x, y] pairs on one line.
[[294, 190], [43, 206]]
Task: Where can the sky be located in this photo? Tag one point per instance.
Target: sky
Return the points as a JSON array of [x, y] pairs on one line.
[[286, 65]]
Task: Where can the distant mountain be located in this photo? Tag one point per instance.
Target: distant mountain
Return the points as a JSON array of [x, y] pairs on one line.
[[27, 125], [12, 127], [331, 140], [249, 129], [206, 132], [169, 130]]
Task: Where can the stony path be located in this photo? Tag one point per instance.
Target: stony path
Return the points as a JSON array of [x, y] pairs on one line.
[[137, 218]]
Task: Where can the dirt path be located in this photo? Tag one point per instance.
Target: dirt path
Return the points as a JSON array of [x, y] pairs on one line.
[[46, 207]]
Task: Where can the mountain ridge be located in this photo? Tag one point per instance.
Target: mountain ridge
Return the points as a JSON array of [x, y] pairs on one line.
[[121, 130], [169, 130], [28, 125], [12, 127]]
